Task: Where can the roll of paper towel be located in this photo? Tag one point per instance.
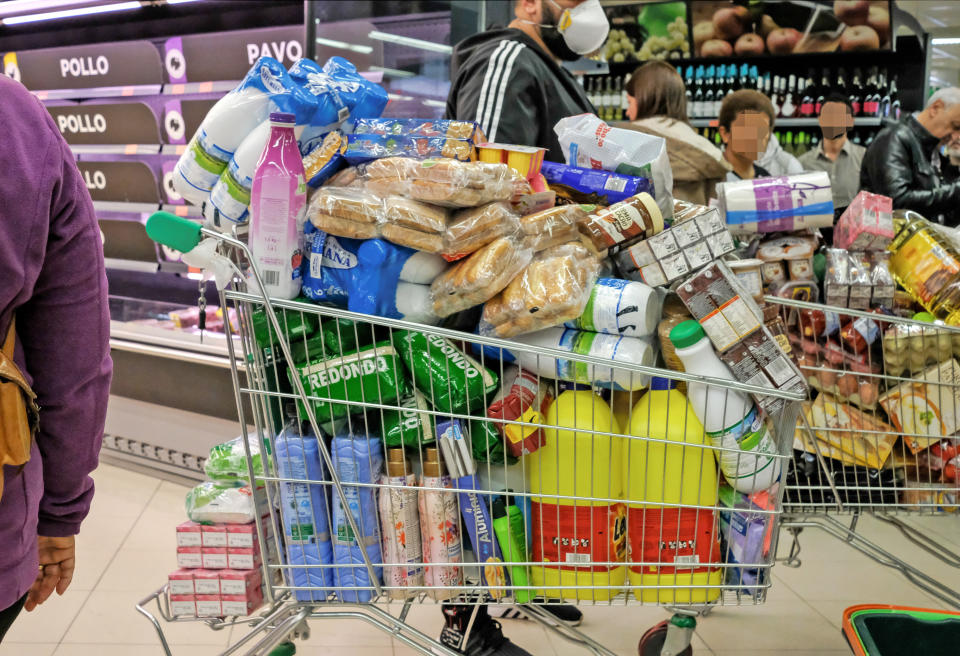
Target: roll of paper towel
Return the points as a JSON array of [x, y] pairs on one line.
[[783, 203]]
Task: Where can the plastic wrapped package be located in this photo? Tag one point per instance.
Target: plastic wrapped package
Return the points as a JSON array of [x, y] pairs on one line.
[[221, 503], [228, 461], [552, 227], [884, 288], [861, 285], [323, 160], [554, 288], [361, 148], [836, 281], [635, 218], [266, 88], [586, 185], [866, 224], [590, 143], [473, 228], [351, 213], [363, 98], [414, 224], [845, 433], [911, 347], [440, 181], [926, 408], [777, 204], [480, 277], [415, 127]]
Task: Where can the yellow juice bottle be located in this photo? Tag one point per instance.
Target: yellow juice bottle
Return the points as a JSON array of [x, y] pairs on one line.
[[574, 535], [665, 482]]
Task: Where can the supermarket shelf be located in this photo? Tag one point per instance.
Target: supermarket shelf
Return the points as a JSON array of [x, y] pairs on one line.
[[861, 122], [99, 92], [198, 87], [115, 149]]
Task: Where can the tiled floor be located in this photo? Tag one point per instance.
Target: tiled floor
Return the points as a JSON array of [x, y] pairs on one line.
[[127, 548]]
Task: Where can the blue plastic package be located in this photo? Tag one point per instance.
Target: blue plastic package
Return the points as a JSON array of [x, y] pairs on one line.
[[331, 110], [356, 459], [305, 509], [361, 275], [593, 186], [364, 99]]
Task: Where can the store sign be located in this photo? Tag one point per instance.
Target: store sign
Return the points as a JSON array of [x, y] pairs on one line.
[[181, 118], [107, 124], [124, 182], [121, 64], [229, 55]]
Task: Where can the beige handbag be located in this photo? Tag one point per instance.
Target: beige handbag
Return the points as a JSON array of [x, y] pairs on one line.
[[19, 413]]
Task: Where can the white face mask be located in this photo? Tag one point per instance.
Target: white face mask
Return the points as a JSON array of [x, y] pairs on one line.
[[584, 27]]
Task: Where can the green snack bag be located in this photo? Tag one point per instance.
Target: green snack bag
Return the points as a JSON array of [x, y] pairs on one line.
[[450, 378], [486, 443], [294, 323], [228, 461], [370, 375], [333, 337], [409, 427]]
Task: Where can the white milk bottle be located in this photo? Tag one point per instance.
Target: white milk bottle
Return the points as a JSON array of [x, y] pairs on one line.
[[730, 418], [227, 124], [620, 307], [277, 210]]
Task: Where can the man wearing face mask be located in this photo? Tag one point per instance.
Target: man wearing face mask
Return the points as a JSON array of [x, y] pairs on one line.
[[835, 154], [510, 81], [903, 162]]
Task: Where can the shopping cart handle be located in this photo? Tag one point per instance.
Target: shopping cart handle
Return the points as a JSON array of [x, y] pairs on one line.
[[173, 231]]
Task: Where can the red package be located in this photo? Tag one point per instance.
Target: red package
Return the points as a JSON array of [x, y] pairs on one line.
[[521, 398]]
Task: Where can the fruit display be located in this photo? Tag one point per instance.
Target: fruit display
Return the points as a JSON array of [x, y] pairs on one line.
[[722, 28], [652, 31]]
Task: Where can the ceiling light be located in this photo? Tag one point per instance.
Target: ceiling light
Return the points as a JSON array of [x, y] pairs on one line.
[[71, 13], [945, 41], [333, 43], [411, 42]]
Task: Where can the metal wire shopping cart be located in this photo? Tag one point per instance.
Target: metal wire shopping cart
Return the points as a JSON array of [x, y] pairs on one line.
[[612, 500], [877, 437]]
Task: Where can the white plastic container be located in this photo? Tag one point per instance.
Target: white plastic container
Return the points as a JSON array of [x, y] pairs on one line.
[[730, 418], [609, 347], [620, 307], [278, 208]]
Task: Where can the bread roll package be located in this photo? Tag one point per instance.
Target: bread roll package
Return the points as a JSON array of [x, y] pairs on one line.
[[552, 289], [481, 276], [473, 228], [417, 225], [552, 227], [440, 181], [347, 212]]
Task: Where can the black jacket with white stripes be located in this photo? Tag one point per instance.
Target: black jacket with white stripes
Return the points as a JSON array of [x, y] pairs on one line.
[[514, 89]]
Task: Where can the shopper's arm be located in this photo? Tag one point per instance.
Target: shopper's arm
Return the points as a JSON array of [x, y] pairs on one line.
[[503, 97], [897, 173], [64, 329]]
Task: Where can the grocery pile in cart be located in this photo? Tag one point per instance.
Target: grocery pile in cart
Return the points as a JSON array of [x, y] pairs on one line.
[[493, 414]]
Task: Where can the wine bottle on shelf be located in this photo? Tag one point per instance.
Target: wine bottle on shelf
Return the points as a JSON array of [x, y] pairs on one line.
[[884, 110], [720, 90], [607, 101], [624, 102], [774, 95], [698, 94], [753, 78], [814, 140], [856, 93], [788, 142], [732, 84], [766, 86], [591, 87], [708, 88], [894, 99], [841, 87], [871, 95], [788, 109], [689, 85], [743, 77], [807, 100], [822, 91]]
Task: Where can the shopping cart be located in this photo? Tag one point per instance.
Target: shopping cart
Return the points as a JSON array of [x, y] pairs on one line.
[[610, 514], [876, 440]]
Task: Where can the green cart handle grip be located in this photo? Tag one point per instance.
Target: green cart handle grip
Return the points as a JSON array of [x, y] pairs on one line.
[[173, 231]]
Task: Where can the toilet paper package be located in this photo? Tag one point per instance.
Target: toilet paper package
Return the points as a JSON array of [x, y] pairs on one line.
[[777, 204]]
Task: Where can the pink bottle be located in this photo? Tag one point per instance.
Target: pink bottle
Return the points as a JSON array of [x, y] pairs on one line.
[[277, 209]]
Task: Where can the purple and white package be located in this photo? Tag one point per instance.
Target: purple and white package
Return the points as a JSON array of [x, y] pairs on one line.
[[777, 204]]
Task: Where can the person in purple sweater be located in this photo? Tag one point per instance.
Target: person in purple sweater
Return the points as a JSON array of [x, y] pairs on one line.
[[52, 278]]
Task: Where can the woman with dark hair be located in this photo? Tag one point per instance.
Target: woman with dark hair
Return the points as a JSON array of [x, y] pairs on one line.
[[658, 105]]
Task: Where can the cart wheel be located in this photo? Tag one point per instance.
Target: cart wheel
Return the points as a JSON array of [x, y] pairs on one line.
[[652, 641]]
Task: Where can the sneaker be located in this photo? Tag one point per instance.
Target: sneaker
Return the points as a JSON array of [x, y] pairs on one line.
[[553, 610], [470, 630]]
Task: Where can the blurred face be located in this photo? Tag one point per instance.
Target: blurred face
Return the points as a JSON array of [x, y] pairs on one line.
[[835, 120], [943, 122], [748, 134]]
